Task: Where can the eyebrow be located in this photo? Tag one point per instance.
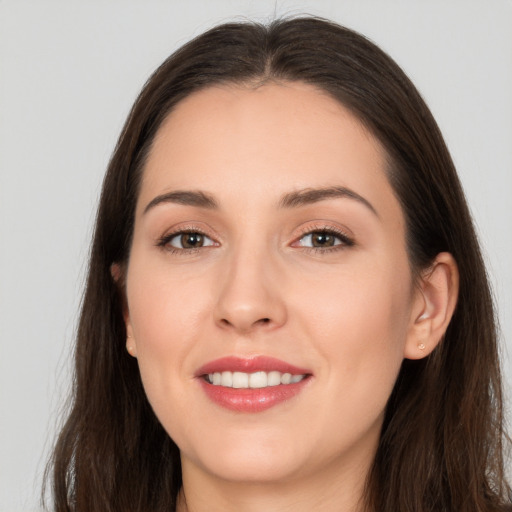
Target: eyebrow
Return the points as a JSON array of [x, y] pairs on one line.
[[185, 197], [293, 199], [314, 195]]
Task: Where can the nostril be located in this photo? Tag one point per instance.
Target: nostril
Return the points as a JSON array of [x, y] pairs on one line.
[[244, 325]]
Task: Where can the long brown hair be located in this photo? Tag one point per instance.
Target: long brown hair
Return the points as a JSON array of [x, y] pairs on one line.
[[442, 441]]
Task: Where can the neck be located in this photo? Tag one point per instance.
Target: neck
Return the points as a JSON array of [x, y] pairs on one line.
[[338, 488]]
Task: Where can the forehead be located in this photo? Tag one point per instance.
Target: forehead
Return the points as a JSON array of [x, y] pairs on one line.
[[265, 141]]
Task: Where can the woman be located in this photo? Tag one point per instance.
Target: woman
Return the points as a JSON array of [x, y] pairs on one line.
[[286, 302]]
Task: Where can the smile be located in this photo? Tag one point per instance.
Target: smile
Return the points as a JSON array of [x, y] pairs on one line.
[[255, 380], [251, 385]]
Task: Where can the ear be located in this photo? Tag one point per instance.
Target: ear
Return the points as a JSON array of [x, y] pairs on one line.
[[433, 306], [118, 275], [116, 272]]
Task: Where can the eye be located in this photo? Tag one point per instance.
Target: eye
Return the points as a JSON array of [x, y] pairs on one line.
[[186, 240], [319, 239], [324, 239]]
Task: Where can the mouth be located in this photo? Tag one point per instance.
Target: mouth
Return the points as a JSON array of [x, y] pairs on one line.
[[251, 385], [257, 380]]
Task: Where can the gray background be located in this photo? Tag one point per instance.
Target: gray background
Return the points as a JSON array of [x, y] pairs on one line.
[[69, 72]]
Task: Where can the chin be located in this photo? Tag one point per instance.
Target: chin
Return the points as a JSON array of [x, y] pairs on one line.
[[256, 470], [251, 459]]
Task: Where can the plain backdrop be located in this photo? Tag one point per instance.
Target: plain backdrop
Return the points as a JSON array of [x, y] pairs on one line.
[[69, 72]]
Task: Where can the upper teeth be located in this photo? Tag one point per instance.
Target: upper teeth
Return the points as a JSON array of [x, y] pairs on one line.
[[252, 380]]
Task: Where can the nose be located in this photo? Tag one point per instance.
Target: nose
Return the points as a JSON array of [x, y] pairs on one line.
[[251, 296]]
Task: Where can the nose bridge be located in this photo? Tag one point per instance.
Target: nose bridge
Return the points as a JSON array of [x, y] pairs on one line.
[[249, 294]]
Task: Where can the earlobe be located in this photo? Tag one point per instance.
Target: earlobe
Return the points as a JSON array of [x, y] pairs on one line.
[[433, 307], [118, 274], [131, 347]]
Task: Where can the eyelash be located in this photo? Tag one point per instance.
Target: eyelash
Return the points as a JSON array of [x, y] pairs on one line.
[[166, 239], [346, 241]]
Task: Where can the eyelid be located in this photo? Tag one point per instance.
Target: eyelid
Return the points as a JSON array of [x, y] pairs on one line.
[[180, 234], [344, 235], [178, 230]]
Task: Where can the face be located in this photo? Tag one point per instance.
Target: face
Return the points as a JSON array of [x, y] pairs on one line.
[[269, 294]]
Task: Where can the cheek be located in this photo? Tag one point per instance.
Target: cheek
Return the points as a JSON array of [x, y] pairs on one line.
[[167, 316], [359, 326], [163, 305], [357, 300], [360, 323]]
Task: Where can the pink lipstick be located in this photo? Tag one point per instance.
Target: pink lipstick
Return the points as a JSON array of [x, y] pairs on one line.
[[251, 385]]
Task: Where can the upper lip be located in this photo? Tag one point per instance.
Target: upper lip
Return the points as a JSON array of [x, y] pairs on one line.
[[250, 365]]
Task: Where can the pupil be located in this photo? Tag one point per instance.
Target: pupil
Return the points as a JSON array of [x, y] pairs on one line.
[[322, 240], [191, 240]]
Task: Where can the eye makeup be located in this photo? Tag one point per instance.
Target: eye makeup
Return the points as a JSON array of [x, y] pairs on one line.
[[318, 239]]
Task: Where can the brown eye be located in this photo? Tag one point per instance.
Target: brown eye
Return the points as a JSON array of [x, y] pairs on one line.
[[191, 240], [188, 240], [321, 239], [325, 239]]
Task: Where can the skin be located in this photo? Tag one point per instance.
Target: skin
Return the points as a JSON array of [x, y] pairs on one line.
[[349, 313]]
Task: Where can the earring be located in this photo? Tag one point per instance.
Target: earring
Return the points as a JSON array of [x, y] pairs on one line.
[[421, 346]]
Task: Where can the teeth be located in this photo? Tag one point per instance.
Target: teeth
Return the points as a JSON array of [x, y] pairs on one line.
[[241, 380], [286, 378], [274, 379], [226, 379], [258, 380]]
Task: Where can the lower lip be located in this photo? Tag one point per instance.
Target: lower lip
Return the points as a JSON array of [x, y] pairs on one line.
[[251, 400]]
